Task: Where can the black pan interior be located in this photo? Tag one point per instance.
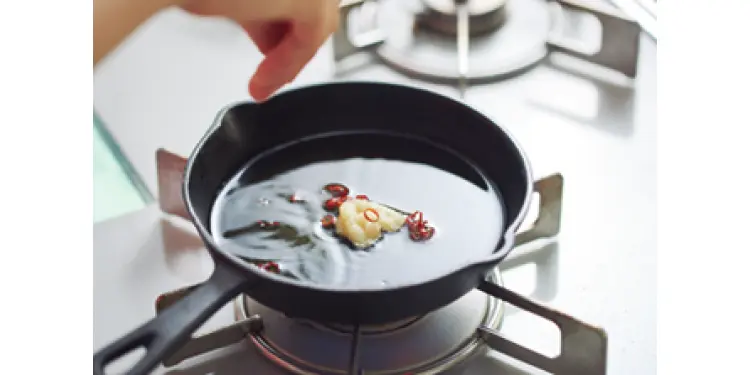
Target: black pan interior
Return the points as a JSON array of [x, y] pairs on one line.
[[404, 172], [450, 136]]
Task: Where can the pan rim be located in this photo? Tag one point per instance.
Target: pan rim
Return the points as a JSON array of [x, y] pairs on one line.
[[500, 252]]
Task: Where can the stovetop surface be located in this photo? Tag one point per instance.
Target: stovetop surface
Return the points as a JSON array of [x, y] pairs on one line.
[[600, 135]]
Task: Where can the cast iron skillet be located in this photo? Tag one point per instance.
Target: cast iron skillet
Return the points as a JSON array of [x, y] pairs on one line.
[[244, 131]]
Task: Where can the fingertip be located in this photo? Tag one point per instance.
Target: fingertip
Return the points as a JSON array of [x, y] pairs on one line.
[[266, 79], [281, 65], [259, 92]]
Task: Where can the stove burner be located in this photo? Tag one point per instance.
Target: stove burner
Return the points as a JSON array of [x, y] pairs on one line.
[[424, 345], [499, 48], [484, 16], [365, 330], [503, 38]]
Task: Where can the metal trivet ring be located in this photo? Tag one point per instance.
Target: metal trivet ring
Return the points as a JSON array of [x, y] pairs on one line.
[[492, 319]]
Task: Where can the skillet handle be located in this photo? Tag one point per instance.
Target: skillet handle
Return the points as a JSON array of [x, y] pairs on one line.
[[583, 350], [166, 332]]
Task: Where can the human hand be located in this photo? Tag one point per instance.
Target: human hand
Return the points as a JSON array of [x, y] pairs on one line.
[[287, 32]]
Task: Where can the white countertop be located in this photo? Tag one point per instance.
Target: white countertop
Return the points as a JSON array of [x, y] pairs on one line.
[[165, 86]]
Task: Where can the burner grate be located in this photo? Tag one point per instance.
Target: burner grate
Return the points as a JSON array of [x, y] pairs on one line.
[[494, 40]]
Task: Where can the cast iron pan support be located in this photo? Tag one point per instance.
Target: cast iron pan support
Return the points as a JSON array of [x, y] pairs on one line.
[[583, 349], [462, 44], [343, 45]]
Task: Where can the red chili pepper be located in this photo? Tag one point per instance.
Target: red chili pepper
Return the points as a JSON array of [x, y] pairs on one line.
[[423, 234], [427, 233], [337, 190], [418, 228], [264, 224], [270, 267], [371, 215], [415, 221], [334, 203], [362, 196], [328, 221]]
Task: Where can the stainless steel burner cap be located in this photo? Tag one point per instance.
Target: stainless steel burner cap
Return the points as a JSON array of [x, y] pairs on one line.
[[484, 16]]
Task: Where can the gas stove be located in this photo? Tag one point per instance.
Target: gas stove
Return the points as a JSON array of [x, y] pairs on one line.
[[573, 81]]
